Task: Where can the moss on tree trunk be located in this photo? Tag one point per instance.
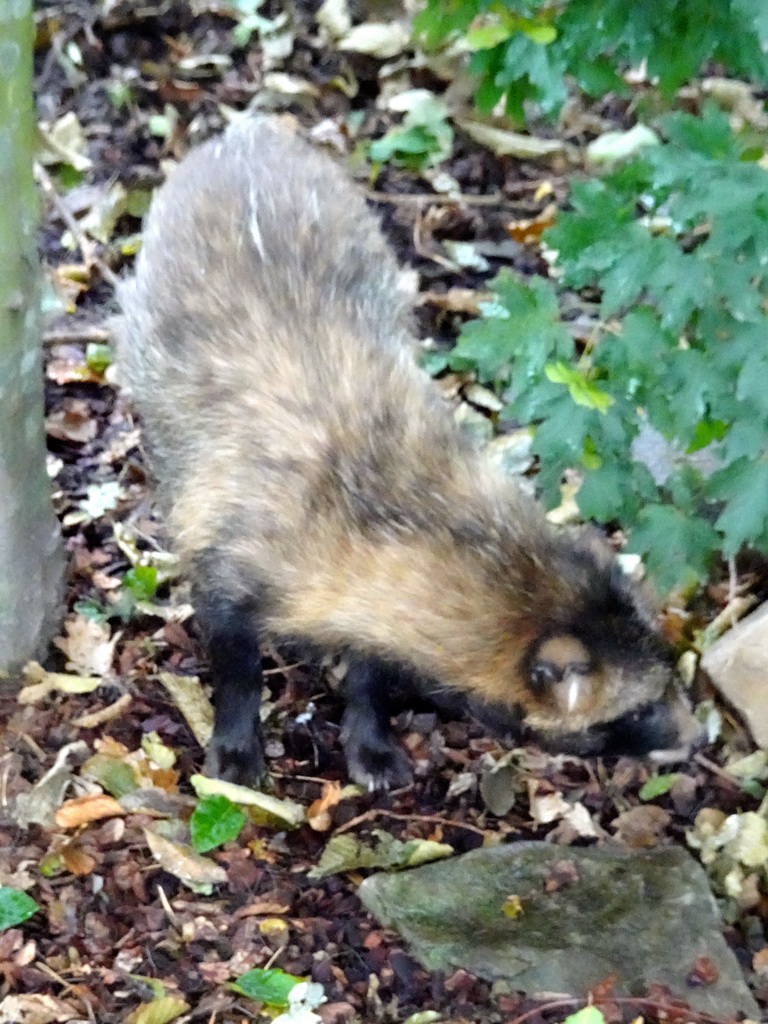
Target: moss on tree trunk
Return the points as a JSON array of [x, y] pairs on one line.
[[30, 550]]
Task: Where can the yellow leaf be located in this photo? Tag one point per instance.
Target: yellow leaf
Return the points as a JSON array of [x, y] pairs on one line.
[[159, 1011]]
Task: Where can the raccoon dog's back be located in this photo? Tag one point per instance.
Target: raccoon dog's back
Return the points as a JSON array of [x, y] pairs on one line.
[[269, 349]]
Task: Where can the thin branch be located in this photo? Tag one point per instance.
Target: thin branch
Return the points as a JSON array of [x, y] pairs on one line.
[[86, 245], [430, 819], [76, 335], [432, 199], [715, 769]]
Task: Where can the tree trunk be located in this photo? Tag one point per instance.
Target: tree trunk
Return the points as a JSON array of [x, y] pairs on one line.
[[31, 561]]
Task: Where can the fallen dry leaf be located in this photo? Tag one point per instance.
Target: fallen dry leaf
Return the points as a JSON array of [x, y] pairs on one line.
[[739, 98], [82, 809], [189, 697], [63, 142], [36, 1008], [287, 811], [456, 300], [195, 871], [546, 807], [39, 805], [643, 826], [507, 143], [262, 907], [529, 232], [88, 646], [73, 422], [613, 147], [42, 683], [333, 16], [581, 822], [76, 860], [318, 812], [382, 39], [113, 710], [68, 364], [160, 1011]]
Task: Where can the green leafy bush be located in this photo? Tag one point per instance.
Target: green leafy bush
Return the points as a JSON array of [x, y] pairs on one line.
[[524, 49], [677, 243]]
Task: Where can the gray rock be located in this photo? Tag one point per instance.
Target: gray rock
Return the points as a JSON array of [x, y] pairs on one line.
[[737, 664], [586, 914]]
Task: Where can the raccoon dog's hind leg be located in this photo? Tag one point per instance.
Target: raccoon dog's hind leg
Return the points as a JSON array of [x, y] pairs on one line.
[[374, 757], [236, 751]]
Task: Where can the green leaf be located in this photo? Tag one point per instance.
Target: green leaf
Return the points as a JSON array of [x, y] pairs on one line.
[[541, 32], [68, 177], [98, 357], [91, 608], [522, 324], [15, 907], [141, 582], [604, 495], [589, 1015], [269, 985], [215, 821], [753, 788], [120, 94], [678, 546], [657, 785], [707, 431], [582, 391], [488, 36], [710, 134], [416, 141], [744, 486]]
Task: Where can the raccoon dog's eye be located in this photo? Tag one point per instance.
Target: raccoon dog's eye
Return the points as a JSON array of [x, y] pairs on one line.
[[545, 674]]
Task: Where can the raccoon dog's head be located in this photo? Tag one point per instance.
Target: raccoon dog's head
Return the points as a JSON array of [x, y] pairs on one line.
[[597, 679]]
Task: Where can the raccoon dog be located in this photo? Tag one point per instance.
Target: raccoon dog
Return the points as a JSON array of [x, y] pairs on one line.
[[318, 491]]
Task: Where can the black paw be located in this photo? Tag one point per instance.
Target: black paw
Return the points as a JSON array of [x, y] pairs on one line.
[[239, 761], [376, 762]]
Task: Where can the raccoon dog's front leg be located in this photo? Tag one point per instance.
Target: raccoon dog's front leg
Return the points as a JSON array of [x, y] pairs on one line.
[[374, 758], [236, 751]]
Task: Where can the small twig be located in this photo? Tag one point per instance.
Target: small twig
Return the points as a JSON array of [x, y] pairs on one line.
[[281, 669], [721, 773], [68, 987], [733, 579], [106, 714], [299, 778], [170, 913], [86, 246], [86, 334], [34, 746], [418, 245], [434, 199], [735, 610], [431, 819]]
